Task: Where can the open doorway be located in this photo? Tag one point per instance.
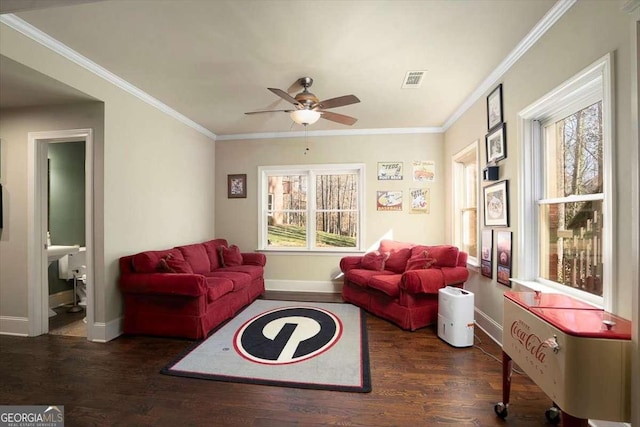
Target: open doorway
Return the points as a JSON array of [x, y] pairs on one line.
[[44, 248]]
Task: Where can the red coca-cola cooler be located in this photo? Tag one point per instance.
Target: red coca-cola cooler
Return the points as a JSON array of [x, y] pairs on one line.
[[578, 354]]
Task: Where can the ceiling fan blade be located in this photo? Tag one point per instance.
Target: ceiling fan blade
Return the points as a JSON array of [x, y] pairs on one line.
[[284, 95], [339, 101], [269, 111], [338, 118]]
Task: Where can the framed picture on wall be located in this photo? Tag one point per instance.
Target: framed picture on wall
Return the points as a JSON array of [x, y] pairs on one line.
[[494, 108], [237, 186], [504, 257], [496, 143], [496, 205], [486, 259]]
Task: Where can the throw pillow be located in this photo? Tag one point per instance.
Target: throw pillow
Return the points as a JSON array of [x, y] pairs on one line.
[[420, 261], [374, 261], [171, 264], [230, 256], [397, 261]]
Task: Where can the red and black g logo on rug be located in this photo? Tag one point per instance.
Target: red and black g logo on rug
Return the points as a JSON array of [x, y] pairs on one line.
[[287, 335]]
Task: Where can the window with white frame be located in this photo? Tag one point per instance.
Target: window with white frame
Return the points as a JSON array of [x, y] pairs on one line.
[[465, 201], [311, 207], [566, 164]]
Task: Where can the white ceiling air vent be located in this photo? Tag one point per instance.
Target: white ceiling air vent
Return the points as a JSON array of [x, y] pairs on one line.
[[413, 79]]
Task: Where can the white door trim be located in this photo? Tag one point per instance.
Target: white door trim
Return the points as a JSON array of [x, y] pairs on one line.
[[37, 279]]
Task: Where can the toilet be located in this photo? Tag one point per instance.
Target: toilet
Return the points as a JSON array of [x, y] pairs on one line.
[[74, 267]]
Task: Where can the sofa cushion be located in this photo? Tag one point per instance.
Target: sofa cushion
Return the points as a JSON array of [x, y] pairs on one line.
[[361, 277], [230, 256], [240, 280], [213, 252], [172, 264], [397, 261], [148, 262], [217, 287], [445, 255], [374, 261], [389, 284], [196, 255], [420, 260], [254, 271]]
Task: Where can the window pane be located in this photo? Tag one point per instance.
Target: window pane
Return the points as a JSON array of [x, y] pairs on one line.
[[287, 229], [471, 184], [469, 232], [571, 244], [574, 154], [288, 192], [336, 229], [337, 192]]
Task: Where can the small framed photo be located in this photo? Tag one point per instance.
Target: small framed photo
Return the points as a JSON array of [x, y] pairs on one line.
[[494, 108], [504, 257], [496, 204], [390, 171], [496, 144], [237, 186], [486, 260]]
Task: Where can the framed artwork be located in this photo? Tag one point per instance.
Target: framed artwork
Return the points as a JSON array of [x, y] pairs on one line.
[[486, 256], [390, 171], [496, 204], [237, 186], [420, 200], [504, 257], [494, 108], [496, 143], [424, 171], [389, 200]]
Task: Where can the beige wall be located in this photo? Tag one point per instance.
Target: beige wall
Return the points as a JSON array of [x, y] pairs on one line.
[[158, 179], [588, 31], [236, 219]]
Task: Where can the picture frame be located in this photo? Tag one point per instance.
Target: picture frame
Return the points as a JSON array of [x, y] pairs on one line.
[[496, 144], [237, 186], [486, 254], [389, 201], [496, 204], [504, 256], [390, 171], [494, 108]]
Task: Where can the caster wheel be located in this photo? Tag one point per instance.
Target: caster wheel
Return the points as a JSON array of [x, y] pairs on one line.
[[552, 415], [501, 410]]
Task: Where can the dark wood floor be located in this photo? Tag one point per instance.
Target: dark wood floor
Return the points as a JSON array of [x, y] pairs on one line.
[[417, 380]]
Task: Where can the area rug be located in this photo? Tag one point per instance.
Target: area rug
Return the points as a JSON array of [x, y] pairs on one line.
[[283, 343]]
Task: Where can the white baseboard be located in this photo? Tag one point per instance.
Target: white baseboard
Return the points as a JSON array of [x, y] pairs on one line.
[[61, 298], [303, 286], [489, 326], [17, 326], [104, 332]]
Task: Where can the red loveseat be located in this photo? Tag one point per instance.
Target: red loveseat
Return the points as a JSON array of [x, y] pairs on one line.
[[400, 281], [188, 290]]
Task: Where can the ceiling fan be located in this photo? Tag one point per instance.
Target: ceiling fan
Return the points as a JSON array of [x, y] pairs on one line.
[[308, 108]]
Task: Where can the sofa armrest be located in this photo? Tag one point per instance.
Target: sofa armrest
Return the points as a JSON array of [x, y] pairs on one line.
[[254, 258], [192, 285], [422, 281], [350, 262]]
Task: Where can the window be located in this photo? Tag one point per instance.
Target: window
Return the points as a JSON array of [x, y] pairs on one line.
[[566, 221], [317, 207], [465, 201]]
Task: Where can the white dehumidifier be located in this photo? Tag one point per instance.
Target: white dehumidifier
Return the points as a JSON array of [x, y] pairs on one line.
[[455, 316]]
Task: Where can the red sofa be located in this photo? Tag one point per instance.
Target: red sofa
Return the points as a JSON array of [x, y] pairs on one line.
[[400, 281], [188, 290]]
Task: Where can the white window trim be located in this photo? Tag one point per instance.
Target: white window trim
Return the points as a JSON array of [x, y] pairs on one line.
[[265, 171], [458, 170], [556, 101]]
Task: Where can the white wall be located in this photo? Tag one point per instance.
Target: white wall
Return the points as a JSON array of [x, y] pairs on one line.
[[158, 177]]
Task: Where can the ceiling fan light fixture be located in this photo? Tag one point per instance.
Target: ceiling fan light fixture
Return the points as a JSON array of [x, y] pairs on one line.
[[305, 117]]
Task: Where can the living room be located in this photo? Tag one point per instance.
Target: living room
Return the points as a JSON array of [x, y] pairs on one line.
[[147, 162]]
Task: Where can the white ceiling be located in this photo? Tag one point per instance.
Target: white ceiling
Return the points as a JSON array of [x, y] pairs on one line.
[[213, 60]]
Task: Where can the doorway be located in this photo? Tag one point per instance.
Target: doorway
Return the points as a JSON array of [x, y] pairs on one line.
[[39, 251]]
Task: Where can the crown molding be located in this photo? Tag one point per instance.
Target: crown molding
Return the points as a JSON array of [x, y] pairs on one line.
[[341, 132], [547, 21], [47, 41]]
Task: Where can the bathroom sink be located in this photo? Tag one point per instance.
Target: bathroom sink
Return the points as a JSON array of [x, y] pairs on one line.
[[55, 252]]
